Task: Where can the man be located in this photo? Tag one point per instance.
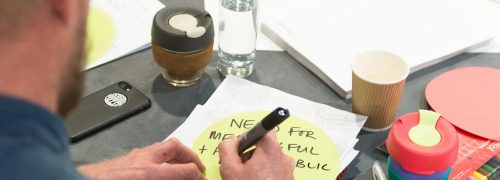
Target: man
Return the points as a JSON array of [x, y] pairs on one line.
[[41, 44]]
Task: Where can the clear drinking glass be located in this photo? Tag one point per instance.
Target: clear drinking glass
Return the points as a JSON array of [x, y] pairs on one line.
[[237, 37]]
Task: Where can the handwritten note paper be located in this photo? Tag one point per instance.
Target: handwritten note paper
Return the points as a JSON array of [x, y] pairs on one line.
[[315, 154], [319, 137]]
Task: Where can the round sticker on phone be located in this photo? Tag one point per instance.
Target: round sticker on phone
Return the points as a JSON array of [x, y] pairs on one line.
[[115, 99]]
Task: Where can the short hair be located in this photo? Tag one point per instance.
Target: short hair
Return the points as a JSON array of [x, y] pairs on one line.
[[15, 15]]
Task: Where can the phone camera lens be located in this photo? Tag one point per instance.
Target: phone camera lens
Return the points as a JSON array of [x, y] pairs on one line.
[[125, 86]]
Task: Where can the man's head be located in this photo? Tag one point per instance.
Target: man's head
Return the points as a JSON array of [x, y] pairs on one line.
[[41, 51]]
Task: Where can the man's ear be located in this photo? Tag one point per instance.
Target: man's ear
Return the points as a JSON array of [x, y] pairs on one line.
[[63, 10]]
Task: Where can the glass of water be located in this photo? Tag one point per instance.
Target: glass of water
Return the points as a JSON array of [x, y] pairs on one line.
[[237, 37]]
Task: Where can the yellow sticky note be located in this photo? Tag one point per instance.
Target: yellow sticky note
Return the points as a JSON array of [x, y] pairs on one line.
[[101, 34], [316, 156]]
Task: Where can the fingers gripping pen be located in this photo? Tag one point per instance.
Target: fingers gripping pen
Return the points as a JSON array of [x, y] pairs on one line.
[[249, 138]]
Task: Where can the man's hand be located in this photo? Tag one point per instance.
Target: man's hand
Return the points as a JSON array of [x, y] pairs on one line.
[[266, 162], [166, 160]]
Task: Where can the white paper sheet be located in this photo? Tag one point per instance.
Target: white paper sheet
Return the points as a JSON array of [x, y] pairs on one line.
[[341, 126], [492, 47], [348, 158], [201, 117], [132, 20], [198, 117]]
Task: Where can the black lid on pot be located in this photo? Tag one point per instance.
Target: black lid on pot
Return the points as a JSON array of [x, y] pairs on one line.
[[182, 29]]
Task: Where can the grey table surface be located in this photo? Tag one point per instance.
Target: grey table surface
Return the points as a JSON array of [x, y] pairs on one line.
[[170, 105]]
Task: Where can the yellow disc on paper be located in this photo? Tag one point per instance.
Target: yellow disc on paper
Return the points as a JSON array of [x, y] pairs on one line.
[[316, 157], [101, 34]]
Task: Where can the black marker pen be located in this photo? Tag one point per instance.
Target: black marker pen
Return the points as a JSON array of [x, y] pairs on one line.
[[249, 138]]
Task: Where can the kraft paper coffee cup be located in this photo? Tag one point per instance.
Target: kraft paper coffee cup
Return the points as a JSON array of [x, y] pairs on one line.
[[378, 81]]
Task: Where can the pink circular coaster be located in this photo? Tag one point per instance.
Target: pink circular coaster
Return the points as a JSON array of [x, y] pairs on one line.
[[469, 98]]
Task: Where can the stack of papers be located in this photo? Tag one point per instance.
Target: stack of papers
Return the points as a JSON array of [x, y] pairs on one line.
[[236, 96], [325, 35]]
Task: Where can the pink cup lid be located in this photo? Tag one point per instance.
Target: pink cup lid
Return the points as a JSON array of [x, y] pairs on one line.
[[422, 157]]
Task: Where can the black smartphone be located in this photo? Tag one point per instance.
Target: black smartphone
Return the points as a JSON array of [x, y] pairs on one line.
[[104, 108]]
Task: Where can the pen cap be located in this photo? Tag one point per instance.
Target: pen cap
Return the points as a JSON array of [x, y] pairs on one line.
[[182, 29], [418, 158], [274, 118]]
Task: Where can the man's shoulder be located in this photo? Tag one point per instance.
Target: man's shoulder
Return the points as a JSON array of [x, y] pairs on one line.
[[33, 143], [22, 120], [23, 159]]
